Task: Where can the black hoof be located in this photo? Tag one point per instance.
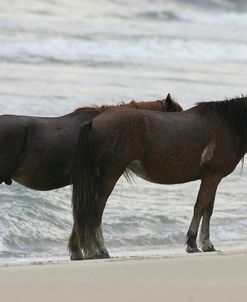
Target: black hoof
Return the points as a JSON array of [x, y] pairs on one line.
[[103, 255], [191, 250], [8, 181], [209, 249], [76, 256]]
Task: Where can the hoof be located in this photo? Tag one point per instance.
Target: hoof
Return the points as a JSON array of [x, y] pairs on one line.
[[209, 249], [103, 255], [76, 256], [191, 250]]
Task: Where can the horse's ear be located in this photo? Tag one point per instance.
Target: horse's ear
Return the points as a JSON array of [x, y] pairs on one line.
[[169, 102]]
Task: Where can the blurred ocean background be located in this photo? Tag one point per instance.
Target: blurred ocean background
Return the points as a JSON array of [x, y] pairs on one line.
[[57, 55]]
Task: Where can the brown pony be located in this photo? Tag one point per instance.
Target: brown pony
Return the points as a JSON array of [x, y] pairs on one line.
[[205, 142], [37, 152]]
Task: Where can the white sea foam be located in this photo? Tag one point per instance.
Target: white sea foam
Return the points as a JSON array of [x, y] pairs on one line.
[[59, 49]]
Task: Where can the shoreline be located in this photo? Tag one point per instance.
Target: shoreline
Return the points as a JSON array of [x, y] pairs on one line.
[[178, 253], [194, 277]]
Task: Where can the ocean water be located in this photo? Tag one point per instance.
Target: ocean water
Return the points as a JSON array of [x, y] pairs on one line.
[[56, 56]]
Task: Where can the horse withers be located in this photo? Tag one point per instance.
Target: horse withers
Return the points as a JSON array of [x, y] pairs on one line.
[[37, 152], [205, 142]]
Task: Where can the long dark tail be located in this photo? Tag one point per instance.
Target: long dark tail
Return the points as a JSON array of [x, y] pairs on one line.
[[85, 180]]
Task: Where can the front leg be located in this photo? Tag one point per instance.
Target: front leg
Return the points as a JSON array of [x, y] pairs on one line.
[[206, 243], [205, 198], [191, 241]]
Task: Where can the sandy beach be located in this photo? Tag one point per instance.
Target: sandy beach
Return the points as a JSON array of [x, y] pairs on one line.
[[214, 277]]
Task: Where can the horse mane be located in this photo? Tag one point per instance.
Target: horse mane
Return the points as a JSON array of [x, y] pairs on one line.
[[167, 104], [132, 104], [231, 111]]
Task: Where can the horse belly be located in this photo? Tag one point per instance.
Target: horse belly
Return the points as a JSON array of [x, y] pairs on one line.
[[37, 178], [164, 175]]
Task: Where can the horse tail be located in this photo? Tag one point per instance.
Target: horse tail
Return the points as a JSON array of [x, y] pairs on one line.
[[85, 180], [129, 176]]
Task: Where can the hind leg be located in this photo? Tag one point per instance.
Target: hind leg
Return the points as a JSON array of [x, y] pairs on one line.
[[76, 253], [205, 197], [74, 248], [100, 252], [108, 181]]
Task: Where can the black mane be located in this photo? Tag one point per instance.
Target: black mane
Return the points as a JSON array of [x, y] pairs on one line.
[[233, 112]]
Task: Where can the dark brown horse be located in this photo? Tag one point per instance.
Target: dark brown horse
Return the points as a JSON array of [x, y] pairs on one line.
[[205, 142], [37, 152]]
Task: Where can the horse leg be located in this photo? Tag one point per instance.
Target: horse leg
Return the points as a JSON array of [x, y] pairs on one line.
[[99, 252], [76, 253], [107, 184], [102, 252], [206, 243], [74, 248], [205, 197]]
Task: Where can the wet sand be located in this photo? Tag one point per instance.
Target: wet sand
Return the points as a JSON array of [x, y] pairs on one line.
[[214, 277]]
